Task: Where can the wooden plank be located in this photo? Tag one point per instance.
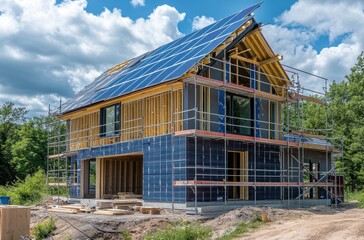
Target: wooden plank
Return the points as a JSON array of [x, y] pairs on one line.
[[63, 210], [113, 212], [73, 206], [150, 210], [233, 137], [103, 204], [14, 222]]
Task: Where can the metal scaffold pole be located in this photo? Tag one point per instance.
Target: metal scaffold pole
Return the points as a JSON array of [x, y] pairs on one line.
[[195, 138], [326, 148], [255, 141], [48, 140], [172, 146], [288, 139], [225, 140], [59, 149]]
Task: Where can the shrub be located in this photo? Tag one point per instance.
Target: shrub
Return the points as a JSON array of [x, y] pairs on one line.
[[44, 229], [125, 235], [181, 231], [358, 196], [30, 191]]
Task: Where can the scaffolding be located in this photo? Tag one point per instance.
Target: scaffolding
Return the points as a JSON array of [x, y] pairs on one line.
[[293, 168], [59, 177], [284, 139]]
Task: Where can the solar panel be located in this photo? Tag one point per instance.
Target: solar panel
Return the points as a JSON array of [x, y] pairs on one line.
[[165, 63]]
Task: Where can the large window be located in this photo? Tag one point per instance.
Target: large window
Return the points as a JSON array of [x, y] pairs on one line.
[[238, 110], [110, 121]]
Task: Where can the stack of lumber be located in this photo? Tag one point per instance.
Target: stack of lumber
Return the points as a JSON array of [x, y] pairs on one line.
[[129, 195], [14, 222], [150, 210], [113, 212], [103, 204], [72, 208]]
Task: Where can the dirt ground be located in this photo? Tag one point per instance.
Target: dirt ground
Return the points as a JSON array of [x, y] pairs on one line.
[[313, 223], [318, 224]]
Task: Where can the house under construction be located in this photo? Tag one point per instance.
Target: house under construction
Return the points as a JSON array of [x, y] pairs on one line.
[[201, 121]]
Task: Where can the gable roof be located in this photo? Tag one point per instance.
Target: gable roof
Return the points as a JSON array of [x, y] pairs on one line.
[[166, 63]]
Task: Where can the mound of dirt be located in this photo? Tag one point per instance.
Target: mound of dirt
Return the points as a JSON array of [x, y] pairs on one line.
[[230, 220]]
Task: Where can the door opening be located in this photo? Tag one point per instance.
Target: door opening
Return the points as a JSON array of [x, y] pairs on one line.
[[238, 174]]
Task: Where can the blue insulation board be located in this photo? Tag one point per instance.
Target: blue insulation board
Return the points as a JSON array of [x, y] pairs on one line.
[[165, 63], [210, 155], [221, 110], [157, 165]]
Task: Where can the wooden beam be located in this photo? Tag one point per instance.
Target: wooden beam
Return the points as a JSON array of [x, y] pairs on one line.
[[235, 56], [276, 58]]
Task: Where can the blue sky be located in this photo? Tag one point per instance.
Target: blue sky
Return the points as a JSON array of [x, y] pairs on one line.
[[51, 49]]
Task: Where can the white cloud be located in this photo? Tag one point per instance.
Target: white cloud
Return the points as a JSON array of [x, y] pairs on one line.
[[201, 22], [296, 31], [137, 3], [50, 49]]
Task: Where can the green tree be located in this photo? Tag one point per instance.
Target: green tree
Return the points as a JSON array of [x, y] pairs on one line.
[[11, 118], [346, 108], [30, 151]]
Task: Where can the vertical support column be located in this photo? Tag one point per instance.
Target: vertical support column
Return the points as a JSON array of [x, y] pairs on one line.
[[300, 174], [172, 145], [59, 149], [326, 148], [48, 142], [195, 138], [226, 78], [253, 84], [288, 149]]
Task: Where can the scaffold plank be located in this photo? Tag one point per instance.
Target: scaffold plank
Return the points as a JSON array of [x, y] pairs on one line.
[[62, 184], [62, 155], [203, 133], [232, 87], [258, 184]]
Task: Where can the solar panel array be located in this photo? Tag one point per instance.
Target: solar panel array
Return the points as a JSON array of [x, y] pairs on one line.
[[165, 63]]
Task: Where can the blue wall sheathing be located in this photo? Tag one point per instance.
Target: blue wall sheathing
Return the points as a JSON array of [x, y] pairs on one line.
[[211, 164], [157, 165]]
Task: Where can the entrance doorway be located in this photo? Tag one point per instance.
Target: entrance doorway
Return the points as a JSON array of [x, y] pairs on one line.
[[238, 173], [89, 178], [120, 174]]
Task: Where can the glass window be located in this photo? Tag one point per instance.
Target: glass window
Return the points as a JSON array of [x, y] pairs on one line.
[[273, 120], [239, 117], [110, 121]]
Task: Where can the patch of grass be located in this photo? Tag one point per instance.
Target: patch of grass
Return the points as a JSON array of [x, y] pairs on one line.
[[181, 231], [242, 228], [125, 235], [44, 229], [358, 196]]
